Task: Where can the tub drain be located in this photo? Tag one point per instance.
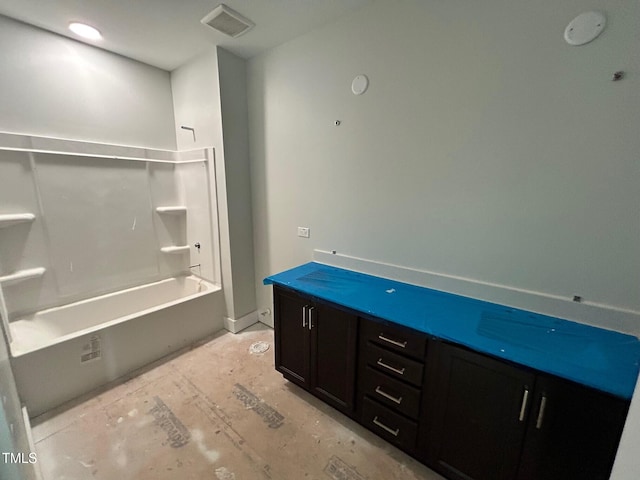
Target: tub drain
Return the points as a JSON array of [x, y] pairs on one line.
[[259, 347]]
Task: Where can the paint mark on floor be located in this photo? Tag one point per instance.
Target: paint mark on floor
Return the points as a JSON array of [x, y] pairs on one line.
[[177, 434], [252, 402], [118, 452], [338, 470], [224, 473], [258, 347], [211, 455]]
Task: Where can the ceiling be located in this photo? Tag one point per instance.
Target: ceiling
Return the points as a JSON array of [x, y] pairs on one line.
[[167, 33]]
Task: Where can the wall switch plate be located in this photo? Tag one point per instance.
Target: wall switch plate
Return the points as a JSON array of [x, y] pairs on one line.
[[303, 232]]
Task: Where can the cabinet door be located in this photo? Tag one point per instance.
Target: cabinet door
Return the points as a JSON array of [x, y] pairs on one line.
[[573, 432], [476, 414], [333, 356], [292, 336]]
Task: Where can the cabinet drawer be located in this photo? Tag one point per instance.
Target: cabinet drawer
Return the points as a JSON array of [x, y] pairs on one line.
[[393, 364], [389, 425], [403, 340], [393, 393]]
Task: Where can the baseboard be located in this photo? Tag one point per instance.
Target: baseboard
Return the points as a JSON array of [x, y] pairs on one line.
[[239, 324], [589, 313]]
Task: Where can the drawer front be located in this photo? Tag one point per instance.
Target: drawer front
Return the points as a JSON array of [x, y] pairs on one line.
[[389, 425], [393, 393], [393, 364], [400, 339]]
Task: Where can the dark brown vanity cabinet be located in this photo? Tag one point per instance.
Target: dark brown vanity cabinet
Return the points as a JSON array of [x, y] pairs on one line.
[[316, 347], [467, 415], [475, 415], [390, 381], [486, 419], [573, 432]]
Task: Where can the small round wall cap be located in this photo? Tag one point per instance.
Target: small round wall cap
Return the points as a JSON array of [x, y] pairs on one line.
[[359, 84], [585, 28]]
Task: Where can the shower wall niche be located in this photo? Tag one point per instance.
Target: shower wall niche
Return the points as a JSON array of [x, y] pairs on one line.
[[73, 226]]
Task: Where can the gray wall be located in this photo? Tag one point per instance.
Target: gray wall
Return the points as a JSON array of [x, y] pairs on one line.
[[56, 87], [209, 94], [486, 147], [233, 105]]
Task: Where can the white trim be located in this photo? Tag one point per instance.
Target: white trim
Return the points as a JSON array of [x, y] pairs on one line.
[[4, 315], [82, 148], [35, 467], [237, 325], [590, 313]]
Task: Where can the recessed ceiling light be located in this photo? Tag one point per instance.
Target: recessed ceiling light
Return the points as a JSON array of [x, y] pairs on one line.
[[85, 31]]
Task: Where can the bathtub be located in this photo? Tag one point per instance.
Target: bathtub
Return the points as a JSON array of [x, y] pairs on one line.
[[63, 352]]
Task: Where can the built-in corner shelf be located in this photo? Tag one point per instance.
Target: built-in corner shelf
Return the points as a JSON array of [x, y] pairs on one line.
[[22, 275], [14, 218], [175, 249], [172, 210]]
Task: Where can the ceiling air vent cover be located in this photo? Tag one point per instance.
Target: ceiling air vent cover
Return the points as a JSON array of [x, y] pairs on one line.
[[228, 21]]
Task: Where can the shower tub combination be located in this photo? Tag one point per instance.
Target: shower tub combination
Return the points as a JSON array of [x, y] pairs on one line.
[[63, 352]]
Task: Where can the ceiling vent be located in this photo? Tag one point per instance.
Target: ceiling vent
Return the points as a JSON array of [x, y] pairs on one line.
[[228, 21]]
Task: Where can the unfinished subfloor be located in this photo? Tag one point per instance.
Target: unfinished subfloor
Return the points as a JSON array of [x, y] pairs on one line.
[[215, 411]]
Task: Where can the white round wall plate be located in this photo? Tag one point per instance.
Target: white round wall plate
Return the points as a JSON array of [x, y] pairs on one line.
[[359, 84], [585, 28]]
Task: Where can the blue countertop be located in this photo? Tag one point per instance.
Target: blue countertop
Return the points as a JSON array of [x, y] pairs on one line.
[[598, 358]]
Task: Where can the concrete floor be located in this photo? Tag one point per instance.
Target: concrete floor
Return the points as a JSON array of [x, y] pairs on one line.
[[215, 411]]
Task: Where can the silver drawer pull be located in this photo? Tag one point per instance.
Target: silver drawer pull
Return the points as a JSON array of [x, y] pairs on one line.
[[392, 342], [304, 316], [399, 371], [543, 406], [384, 394], [385, 428]]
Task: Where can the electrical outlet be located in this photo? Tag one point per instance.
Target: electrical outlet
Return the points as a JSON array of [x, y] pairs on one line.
[[303, 232]]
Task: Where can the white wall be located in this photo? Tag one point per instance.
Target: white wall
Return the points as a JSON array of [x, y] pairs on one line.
[[209, 95], [233, 106], [54, 86], [485, 148], [627, 464]]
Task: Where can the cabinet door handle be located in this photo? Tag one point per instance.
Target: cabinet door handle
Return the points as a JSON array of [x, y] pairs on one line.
[[523, 406], [392, 342], [399, 371], [310, 312], [304, 316], [384, 394], [543, 406], [384, 427]]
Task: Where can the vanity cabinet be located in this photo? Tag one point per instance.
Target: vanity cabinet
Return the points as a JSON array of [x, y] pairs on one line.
[[316, 347], [486, 419], [467, 415], [573, 432], [390, 378]]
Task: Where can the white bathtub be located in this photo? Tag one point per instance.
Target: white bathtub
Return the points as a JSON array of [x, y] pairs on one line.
[[63, 352]]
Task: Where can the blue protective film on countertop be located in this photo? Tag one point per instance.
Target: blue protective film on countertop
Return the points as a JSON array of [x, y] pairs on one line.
[[592, 356]]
